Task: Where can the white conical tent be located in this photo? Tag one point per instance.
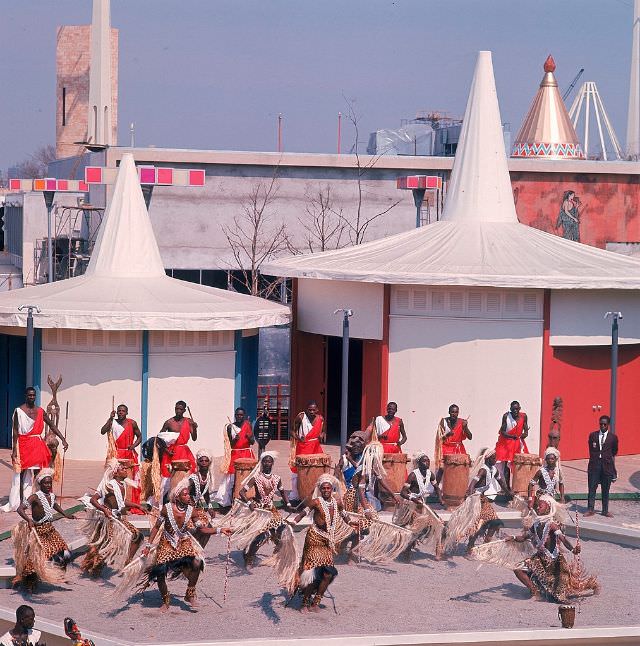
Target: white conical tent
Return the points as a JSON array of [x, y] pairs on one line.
[[125, 286], [479, 241]]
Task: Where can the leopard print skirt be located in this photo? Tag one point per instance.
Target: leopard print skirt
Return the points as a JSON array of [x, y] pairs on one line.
[[317, 551], [52, 543], [352, 504], [487, 514], [166, 553]]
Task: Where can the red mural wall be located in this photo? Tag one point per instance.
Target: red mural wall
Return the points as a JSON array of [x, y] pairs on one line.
[[581, 376], [603, 207]]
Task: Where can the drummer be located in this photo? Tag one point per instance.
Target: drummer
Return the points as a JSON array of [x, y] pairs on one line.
[[389, 429], [511, 438], [308, 433], [450, 436]]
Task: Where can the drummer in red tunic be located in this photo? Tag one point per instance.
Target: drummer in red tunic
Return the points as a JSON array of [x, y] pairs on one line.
[[30, 452], [237, 440], [126, 436], [511, 438], [308, 433], [176, 432], [389, 429], [450, 436]]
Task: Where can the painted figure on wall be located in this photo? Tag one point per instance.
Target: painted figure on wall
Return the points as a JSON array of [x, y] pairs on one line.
[[569, 216]]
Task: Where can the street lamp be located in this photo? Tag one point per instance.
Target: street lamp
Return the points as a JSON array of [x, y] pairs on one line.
[[615, 316], [29, 370], [345, 378], [48, 200]]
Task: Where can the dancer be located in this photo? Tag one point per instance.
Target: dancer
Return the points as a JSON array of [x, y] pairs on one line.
[[511, 438], [201, 485], [175, 433], [266, 484], [40, 553], [308, 434], [547, 478], [238, 439], [477, 516], [389, 429], [450, 436], [172, 548], [30, 452], [328, 529], [413, 510], [123, 436], [112, 539]]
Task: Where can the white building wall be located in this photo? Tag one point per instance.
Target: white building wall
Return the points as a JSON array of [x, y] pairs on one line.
[[479, 362], [319, 299]]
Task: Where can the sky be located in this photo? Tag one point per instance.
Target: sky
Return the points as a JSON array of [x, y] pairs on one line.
[[215, 74]]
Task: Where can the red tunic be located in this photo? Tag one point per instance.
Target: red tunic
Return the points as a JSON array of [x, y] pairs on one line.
[[311, 443], [124, 440], [34, 453], [505, 448], [454, 443], [180, 450], [242, 447], [392, 436]]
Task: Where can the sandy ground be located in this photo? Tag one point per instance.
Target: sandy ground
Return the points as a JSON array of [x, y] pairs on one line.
[[425, 596]]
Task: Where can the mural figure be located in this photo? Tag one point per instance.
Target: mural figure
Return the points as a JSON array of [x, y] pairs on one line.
[[569, 216]]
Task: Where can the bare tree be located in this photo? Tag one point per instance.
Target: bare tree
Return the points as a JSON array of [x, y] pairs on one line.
[[35, 166], [324, 225], [254, 238], [357, 223]]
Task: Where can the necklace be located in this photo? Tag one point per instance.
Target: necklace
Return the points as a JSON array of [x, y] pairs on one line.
[[47, 506], [117, 492], [423, 482]]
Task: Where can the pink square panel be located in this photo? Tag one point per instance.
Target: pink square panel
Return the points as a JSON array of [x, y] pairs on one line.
[[165, 176], [93, 175], [147, 174], [196, 177]]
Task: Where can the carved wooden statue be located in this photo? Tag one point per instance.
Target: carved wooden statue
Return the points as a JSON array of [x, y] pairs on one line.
[[53, 410]]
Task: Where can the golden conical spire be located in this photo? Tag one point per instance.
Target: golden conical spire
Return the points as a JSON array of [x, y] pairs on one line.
[[547, 130]]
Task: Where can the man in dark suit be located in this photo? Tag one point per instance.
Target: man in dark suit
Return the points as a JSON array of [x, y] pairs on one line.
[[603, 447]]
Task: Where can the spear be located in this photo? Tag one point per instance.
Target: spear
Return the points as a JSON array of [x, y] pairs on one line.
[[64, 453]]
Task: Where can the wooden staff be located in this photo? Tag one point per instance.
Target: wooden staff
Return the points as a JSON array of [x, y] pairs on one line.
[[64, 453], [226, 569], [190, 413]]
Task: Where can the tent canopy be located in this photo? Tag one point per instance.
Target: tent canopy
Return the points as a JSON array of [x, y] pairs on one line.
[[479, 241], [125, 286]]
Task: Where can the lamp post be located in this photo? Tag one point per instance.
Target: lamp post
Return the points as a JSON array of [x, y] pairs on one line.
[[344, 399], [48, 200], [29, 366], [615, 317]]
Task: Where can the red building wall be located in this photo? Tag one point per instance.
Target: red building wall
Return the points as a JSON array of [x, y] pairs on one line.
[[607, 209]]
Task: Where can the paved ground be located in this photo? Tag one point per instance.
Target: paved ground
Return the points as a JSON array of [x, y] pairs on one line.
[[425, 596]]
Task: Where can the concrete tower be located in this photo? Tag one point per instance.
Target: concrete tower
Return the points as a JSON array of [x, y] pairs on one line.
[[633, 117]]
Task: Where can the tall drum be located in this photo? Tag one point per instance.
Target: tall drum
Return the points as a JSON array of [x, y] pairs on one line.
[[455, 478], [243, 467], [524, 468], [179, 471], [310, 468], [395, 464]]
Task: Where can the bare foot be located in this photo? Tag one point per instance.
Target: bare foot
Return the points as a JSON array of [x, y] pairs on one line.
[[608, 514], [304, 610], [314, 608]]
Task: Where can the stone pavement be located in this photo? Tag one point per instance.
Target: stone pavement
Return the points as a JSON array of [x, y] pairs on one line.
[[80, 475]]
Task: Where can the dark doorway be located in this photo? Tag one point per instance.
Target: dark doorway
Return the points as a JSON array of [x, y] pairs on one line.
[[334, 387], [13, 357]]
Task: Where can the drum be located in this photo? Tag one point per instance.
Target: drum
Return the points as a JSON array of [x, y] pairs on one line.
[[310, 468], [179, 471], [523, 469], [395, 464], [129, 466], [455, 478], [567, 616], [243, 467]]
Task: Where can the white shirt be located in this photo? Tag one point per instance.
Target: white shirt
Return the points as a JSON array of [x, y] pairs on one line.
[[33, 637], [602, 438]]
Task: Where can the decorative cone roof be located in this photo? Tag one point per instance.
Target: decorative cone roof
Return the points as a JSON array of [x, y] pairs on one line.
[[125, 286], [547, 130], [479, 241]]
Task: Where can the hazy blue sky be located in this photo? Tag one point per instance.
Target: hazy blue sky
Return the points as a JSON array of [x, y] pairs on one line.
[[215, 74]]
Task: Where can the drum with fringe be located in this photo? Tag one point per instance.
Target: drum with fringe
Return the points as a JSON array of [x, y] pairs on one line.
[[567, 616], [310, 468], [525, 466], [179, 471], [395, 464], [455, 478], [129, 466], [243, 467]]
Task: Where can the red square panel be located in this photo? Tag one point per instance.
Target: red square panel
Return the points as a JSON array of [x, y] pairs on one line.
[[165, 176], [62, 185], [83, 186], [147, 174], [14, 184], [196, 178], [93, 175], [432, 181]]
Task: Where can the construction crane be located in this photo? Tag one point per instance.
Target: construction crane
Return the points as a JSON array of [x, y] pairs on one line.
[[567, 92]]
